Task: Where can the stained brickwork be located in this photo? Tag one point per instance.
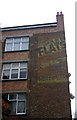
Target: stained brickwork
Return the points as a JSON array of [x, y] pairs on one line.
[[49, 83], [10, 56], [47, 86], [20, 85]]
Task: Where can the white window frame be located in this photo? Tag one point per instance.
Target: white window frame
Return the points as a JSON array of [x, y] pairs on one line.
[[18, 100], [20, 46], [19, 68]]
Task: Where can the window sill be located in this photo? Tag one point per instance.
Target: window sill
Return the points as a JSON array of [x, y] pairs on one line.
[[17, 114], [21, 114], [16, 51], [5, 80]]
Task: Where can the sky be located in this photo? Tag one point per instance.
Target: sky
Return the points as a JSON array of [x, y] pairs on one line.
[[27, 12]]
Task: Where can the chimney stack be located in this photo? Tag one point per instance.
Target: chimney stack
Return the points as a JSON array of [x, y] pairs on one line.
[[60, 21]]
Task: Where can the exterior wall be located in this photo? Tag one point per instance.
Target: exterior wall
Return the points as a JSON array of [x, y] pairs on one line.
[[49, 83], [24, 56], [14, 56], [20, 85], [5, 109], [47, 86]]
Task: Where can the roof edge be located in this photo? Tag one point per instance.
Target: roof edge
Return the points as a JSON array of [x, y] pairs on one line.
[[30, 26]]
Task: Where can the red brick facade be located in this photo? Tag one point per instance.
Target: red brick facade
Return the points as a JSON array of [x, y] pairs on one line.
[[47, 85]]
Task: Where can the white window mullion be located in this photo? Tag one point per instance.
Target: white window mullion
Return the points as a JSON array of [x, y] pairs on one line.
[[19, 71], [8, 96], [21, 44], [16, 103], [10, 70], [6, 46], [13, 45]]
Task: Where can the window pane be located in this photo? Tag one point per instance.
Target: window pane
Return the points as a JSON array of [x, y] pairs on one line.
[[15, 65], [17, 40], [10, 40], [6, 66], [22, 96], [13, 107], [22, 65], [25, 45], [6, 74], [23, 73], [12, 96], [25, 39], [8, 47], [14, 73], [21, 107], [17, 46]]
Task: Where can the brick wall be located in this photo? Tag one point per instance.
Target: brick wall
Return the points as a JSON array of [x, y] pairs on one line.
[[47, 84], [20, 85], [49, 87], [13, 56]]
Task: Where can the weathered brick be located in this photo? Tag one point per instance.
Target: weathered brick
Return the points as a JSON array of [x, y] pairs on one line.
[[47, 86]]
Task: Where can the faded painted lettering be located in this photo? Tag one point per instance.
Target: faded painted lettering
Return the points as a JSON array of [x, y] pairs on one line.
[[51, 47]]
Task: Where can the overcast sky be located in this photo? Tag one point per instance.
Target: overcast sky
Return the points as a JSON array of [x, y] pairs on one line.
[[26, 12]]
